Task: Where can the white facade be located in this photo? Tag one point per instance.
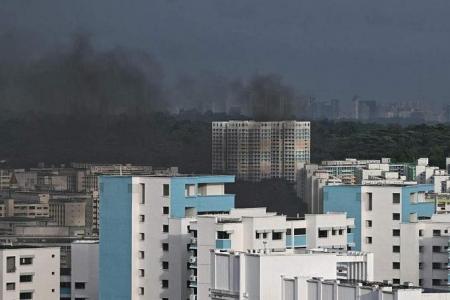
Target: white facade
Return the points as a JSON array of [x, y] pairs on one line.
[[148, 237], [84, 270], [29, 273], [156, 232], [271, 275], [255, 230], [380, 221], [337, 290], [310, 183], [426, 259], [258, 150]]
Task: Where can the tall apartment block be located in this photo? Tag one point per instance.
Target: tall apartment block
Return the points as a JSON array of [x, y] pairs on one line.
[[258, 150], [138, 258], [379, 213]]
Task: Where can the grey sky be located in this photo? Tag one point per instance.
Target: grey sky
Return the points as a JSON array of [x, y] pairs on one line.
[[385, 49]]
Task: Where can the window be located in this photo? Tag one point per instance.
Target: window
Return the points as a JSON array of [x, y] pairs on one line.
[[141, 254], [436, 232], [26, 260], [420, 232], [349, 230], [257, 236], [420, 282], [396, 232], [165, 246], [26, 296], [369, 240], [141, 236], [64, 285], [277, 235], [141, 273], [333, 232], [396, 216], [166, 190], [141, 291], [165, 210], [80, 285], [10, 286], [10, 264], [165, 284], [369, 202], [165, 228], [142, 186], [420, 249], [165, 265], [436, 282], [369, 223], [26, 278], [396, 249], [396, 281], [395, 265], [223, 235], [436, 249], [436, 266], [323, 233], [396, 198], [341, 232], [141, 218], [299, 231]]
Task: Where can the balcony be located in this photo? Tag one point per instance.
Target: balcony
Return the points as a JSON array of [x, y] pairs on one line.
[[223, 244], [192, 262], [65, 291], [350, 239], [299, 241]]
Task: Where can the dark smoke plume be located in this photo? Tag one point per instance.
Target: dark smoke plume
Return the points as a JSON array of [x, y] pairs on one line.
[[83, 80]]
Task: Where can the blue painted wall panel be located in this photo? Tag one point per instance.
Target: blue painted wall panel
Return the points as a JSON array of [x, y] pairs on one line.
[[115, 238], [345, 199]]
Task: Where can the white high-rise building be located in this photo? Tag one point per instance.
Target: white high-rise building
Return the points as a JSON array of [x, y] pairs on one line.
[[143, 250], [259, 150], [425, 259], [379, 212], [29, 273]]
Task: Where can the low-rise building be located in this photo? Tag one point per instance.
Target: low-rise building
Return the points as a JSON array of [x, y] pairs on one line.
[[84, 270], [272, 275], [255, 230], [319, 289]]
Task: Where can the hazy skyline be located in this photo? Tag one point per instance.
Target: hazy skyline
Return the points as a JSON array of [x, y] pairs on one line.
[[383, 50]]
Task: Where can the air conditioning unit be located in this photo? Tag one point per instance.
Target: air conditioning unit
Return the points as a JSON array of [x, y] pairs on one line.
[[193, 278], [193, 259], [193, 240]]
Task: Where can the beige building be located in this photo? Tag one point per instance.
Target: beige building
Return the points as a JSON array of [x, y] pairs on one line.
[[32, 208], [259, 150], [69, 212]]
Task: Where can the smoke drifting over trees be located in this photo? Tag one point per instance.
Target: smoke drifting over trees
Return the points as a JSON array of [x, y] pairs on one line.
[[83, 80]]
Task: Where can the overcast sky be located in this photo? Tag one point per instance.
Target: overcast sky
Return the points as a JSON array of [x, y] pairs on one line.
[[385, 49]]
